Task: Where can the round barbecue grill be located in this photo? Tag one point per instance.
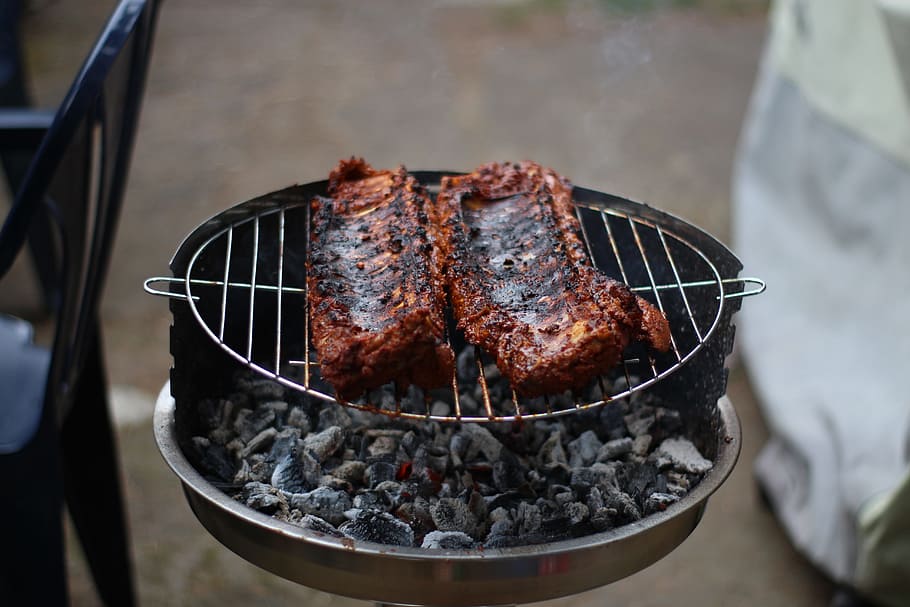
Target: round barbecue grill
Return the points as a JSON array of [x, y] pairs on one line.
[[252, 259], [239, 302]]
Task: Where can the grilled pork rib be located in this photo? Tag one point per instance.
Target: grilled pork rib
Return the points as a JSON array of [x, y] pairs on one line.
[[377, 300], [522, 285]]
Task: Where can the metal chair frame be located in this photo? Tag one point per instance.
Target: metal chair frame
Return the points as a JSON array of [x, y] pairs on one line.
[[73, 189]]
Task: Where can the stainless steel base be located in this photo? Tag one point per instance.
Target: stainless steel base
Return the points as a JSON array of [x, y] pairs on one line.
[[415, 576]]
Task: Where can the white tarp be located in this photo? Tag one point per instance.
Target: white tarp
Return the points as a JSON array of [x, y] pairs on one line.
[[822, 213]]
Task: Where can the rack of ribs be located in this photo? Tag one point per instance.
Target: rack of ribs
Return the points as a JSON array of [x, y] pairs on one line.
[[377, 300], [522, 285]]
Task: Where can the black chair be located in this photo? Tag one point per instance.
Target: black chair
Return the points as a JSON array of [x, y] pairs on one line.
[[56, 439]]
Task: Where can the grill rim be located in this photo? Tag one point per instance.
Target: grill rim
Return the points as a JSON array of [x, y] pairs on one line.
[[278, 202]]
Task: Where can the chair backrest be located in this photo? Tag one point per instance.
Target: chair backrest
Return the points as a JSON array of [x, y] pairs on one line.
[[78, 176]]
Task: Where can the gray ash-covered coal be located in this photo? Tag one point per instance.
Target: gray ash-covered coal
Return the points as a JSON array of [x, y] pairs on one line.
[[346, 473]]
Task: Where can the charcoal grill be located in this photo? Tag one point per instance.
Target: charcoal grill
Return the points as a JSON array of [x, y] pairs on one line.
[[238, 299]]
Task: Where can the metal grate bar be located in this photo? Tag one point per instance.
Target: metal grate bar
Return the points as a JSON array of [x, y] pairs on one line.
[[456, 397], [614, 246], [682, 291], [280, 290], [224, 291], [482, 378], [306, 311], [660, 304], [517, 406], [249, 334]]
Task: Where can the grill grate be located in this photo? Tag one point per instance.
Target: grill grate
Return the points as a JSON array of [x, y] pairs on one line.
[[246, 288]]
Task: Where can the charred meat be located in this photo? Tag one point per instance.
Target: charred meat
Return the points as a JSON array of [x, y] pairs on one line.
[[521, 283], [377, 300]]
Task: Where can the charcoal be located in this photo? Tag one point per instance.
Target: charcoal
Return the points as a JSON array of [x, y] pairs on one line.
[[289, 474], [297, 418], [551, 453], [250, 423], [555, 490], [683, 456], [576, 512], [614, 449], [211, 412], [452, 514], [333, 482], [378, 527], [390, 487], [264, 502], [448, 540], [658, 502], [621, 507], [379, 472], [235, 448], [508, 473], [382, 445], [242, 475], [285, 441], [642, 480], [667, 423], [447, 485], [584, 449], [351, 471], [323, 502], [599, 475], [372, 500], [261, 468], [642, 444], [612, 424], [314, 523], [213, 459], [508, 499], [261, 442], [263, 497], [437, 459], [409, 443], [601, 519], [333, 416], [323, 444], [310, 468], [595, 500], [528, 518], [563, 498], [554, 529], [466, 366], [469, 404], [640, 421], [440, 408], [482, 441], [242, 400], [280, 407], [416, 514], [261, 389]]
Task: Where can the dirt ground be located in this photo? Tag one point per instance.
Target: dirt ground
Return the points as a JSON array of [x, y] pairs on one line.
[[248, 97]]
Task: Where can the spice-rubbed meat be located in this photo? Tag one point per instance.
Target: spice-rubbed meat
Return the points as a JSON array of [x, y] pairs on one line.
[[377, 300], [522, 285]]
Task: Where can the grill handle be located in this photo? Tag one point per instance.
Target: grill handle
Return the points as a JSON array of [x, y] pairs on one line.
[[759, 286], [151, 290]]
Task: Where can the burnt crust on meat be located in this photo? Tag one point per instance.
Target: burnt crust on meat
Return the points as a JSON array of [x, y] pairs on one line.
[[521, 283], [377, 300]]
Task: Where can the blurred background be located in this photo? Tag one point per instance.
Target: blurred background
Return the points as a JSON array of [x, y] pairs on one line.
[[639, 98]]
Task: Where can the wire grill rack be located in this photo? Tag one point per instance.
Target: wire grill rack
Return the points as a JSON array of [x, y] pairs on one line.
[[246, 288]]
